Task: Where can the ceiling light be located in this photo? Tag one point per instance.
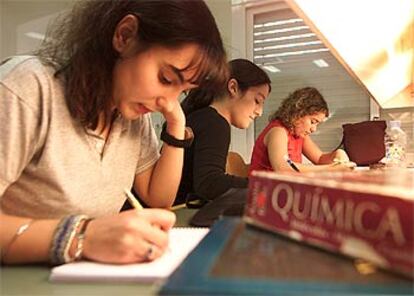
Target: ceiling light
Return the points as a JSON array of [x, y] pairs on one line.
[[35, 35], [290, 53], [321, 63], [298, 28], [288, 45], [285, 38], [279, 23], [271, 68]]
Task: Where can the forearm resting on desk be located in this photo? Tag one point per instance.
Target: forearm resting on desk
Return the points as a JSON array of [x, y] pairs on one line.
[[121, 238], [29, 247], [326, 167]]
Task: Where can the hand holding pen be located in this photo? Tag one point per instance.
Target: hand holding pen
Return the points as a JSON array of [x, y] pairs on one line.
[[135, 203], [291, 163], [129, 236]]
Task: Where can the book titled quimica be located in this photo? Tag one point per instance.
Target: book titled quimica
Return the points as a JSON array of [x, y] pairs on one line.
[[361, 214]]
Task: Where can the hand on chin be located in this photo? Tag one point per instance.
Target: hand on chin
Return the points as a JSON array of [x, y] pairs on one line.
[[171, 110]]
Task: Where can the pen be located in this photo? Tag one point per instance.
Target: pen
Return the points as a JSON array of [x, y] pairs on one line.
[[132, 200], [135, 203], [291, 163]]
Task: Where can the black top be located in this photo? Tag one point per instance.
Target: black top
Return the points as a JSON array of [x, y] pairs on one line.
[[205, 161]]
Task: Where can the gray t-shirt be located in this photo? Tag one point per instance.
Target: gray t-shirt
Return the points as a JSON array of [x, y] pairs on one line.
[[50, 165]]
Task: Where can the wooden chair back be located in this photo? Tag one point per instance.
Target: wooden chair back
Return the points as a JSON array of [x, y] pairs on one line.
[[235, 165]]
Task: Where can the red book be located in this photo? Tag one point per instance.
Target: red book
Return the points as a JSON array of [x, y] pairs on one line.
[[362, 214]]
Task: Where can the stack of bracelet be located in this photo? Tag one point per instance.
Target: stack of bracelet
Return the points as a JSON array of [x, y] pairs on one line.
[[63, 237]]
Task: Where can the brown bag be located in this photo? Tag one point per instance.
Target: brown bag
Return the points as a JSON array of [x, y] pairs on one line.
[[364, 141]]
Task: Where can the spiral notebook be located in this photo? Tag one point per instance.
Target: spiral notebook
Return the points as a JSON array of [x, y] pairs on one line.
[[182, 241]]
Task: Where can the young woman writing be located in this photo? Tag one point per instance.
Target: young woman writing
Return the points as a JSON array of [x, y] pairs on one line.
[[77, 129], [280, 146]]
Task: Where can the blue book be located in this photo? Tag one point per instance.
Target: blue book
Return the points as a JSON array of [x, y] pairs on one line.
[[239, 259]]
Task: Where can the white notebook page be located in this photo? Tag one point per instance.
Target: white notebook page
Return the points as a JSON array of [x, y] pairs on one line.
[[182, 241]]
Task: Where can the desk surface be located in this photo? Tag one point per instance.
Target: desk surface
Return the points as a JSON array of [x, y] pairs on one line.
[[34, 280], [238, 259]]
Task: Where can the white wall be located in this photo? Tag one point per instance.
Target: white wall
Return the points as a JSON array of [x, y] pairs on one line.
[[15, 16]]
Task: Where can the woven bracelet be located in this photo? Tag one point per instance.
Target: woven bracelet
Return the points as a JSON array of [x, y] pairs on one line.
[[71, 236], [62, 239], [55, 252], [80, 239]]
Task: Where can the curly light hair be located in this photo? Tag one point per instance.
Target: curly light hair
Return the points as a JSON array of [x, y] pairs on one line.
[[302, 102]]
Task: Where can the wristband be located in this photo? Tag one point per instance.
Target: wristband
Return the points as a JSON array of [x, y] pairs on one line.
[[173, 141]]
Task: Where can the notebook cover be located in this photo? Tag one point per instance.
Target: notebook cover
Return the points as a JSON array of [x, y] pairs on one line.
[[238, 259]]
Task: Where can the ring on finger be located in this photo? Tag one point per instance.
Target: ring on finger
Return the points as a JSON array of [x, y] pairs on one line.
[[149, 252]]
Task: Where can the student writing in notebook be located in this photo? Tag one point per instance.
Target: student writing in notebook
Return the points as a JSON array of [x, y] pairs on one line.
[[77, 130], [280, 146], [211, 113]]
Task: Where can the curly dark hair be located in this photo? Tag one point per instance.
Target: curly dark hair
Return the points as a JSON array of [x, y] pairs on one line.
[[302, 102], [246, 73], [79, 46]]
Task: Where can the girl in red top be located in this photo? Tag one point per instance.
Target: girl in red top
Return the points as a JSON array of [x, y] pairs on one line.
[[280, 145]]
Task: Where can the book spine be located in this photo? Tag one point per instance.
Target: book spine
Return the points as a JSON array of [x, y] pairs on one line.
[[361, 225]]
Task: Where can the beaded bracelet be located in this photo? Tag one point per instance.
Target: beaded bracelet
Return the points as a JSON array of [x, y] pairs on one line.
[[22, 229]]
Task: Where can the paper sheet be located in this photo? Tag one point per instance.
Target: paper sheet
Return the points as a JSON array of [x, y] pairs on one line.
[[182, 241]]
